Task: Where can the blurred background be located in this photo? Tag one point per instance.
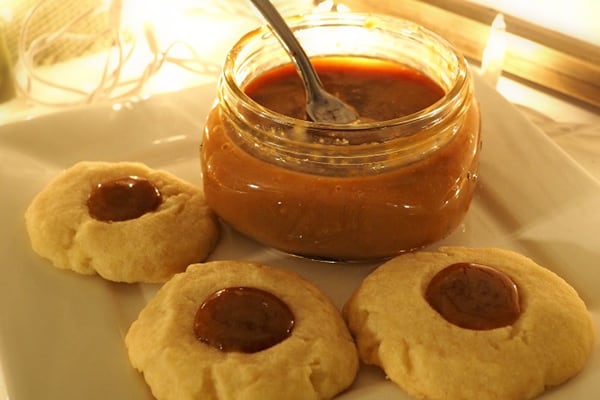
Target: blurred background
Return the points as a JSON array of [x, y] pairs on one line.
[[554, 44], [542, 55]]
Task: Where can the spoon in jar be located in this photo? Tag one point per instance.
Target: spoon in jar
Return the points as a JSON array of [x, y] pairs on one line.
[[321, 106]]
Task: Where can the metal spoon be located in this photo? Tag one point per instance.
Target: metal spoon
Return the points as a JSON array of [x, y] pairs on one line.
[[321, 106]]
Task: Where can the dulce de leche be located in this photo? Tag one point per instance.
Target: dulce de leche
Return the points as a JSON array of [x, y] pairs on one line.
[[400, 178]]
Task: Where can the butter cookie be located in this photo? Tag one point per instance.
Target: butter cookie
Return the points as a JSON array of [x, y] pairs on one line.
[[227, 330], [467, 323], [124, 221]]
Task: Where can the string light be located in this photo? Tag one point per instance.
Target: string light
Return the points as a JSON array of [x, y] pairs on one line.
[[132, 30], [492, 62], [6, 12], [329, 5]]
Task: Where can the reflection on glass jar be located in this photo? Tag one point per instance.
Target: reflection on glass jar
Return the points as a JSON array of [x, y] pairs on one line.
[[401, 178]]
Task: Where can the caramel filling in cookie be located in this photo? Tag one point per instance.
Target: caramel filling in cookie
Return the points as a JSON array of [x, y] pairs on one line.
[[474, 296], [123, 199], [243, 319]]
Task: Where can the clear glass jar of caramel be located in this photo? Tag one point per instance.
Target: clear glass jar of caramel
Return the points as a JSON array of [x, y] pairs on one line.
[[399, 179]]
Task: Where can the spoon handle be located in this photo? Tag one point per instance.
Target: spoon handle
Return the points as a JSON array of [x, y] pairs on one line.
[[281, 30]]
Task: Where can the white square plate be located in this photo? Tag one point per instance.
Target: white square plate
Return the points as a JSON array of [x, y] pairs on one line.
[[61, 334]]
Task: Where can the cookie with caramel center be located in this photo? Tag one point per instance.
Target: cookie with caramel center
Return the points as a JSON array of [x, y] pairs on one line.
[[242, 330], [125, 221], [470, 323]]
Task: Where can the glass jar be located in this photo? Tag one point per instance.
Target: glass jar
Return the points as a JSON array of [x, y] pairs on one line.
[[364, 191]]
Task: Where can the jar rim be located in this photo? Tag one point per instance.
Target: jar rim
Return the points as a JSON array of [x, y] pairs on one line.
[[444, 106]]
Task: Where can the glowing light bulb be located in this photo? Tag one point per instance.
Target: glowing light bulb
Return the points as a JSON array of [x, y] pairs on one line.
[[493, 55]]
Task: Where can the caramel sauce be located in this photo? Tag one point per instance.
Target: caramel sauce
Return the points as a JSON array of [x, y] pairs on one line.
[[371, 215], [243, 319], [474, 296], [123, 199], [377, 89]]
